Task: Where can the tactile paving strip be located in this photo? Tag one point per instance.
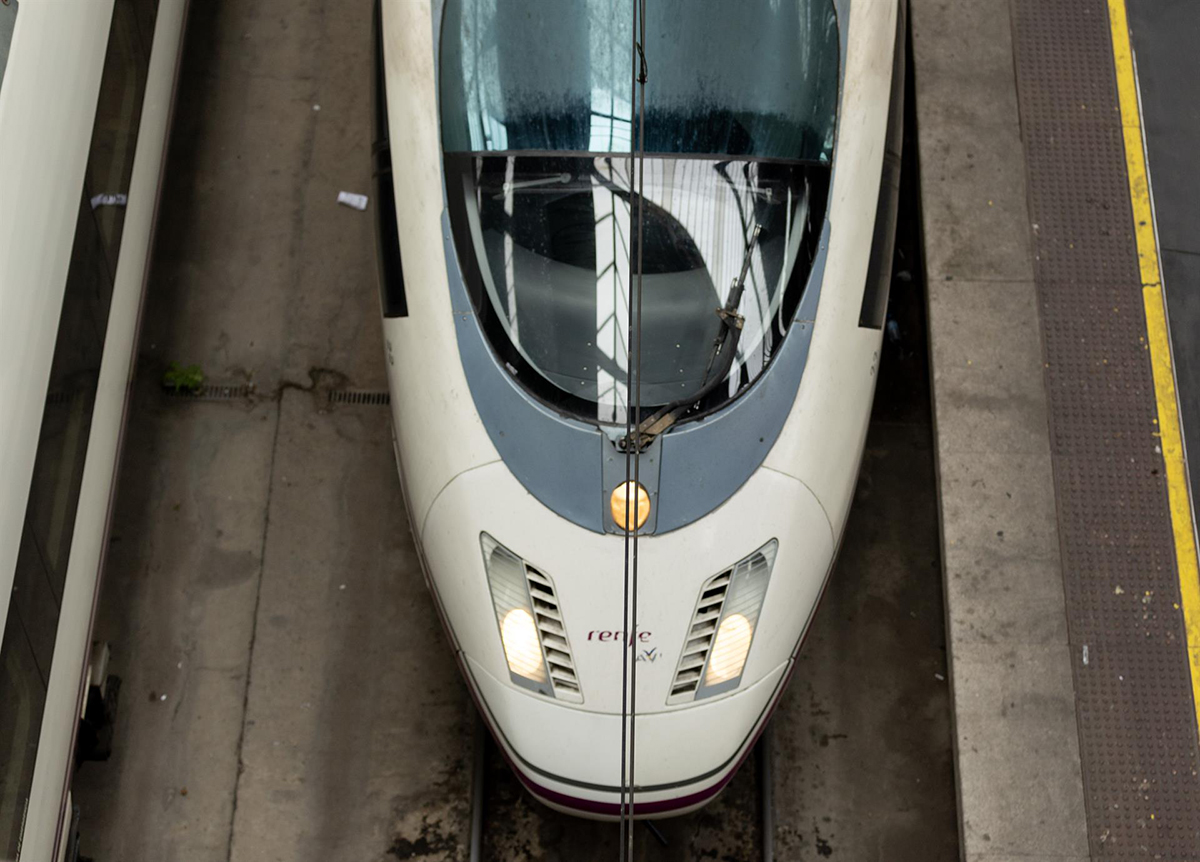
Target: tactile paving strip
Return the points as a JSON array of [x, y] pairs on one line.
[[1137, 727]]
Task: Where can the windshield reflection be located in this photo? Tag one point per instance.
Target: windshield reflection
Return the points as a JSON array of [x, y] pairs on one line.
[[551, 239]]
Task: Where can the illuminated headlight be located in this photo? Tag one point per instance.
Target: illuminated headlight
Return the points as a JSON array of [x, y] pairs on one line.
[[722, 629], [531, 626], [522, 646], [730, 649]]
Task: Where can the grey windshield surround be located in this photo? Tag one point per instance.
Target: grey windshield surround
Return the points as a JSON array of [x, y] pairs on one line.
[[555, 456], [565, 462]]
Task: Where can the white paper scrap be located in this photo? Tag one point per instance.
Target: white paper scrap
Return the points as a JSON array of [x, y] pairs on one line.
[[109, 200], [350, 199]]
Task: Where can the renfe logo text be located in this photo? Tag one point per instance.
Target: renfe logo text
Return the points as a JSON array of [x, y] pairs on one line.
[[617, 636]]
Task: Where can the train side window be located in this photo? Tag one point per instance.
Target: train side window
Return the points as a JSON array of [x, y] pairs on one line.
[[23, 693], [8, 20], [33, 613], [66, 422], [50, 520], [118, 113]]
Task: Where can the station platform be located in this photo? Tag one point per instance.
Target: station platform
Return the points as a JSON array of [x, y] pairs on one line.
[[1063, 399]]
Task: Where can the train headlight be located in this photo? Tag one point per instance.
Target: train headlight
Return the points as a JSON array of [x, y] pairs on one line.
[[514, 614], [532, 631], [722, 630], [729, 650], [522, 647]]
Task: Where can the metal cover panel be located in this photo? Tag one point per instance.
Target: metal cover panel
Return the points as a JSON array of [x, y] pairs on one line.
[[1137, 726]]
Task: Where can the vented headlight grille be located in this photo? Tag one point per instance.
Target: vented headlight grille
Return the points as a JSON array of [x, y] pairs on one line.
[[722, 628], [532, 631]]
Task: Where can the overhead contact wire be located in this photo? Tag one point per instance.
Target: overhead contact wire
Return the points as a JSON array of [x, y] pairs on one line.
[[633, 387], [623, 814], [637, 406]]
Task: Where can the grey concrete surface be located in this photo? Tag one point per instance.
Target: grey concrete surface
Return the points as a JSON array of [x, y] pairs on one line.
[[972, 168], [1012, 702], [178, 610], [1016, 738], [964, 52], [301, 720], [987, 349], [265, 275], [978, 171], [357, 727]]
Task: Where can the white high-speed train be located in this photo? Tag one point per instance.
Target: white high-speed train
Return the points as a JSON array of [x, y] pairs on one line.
[[86, 88], [507, 199]]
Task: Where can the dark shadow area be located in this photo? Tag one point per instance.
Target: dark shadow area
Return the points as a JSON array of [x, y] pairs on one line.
[[1164, 40]]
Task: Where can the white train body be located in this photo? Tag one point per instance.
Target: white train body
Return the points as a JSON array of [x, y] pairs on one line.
[[564, 742], [86, 90]]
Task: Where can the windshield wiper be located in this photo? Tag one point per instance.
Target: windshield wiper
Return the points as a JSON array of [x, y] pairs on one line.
[[724, 349], [562, 179]]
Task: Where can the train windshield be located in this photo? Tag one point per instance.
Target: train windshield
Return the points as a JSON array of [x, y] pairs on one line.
[[740, 111]]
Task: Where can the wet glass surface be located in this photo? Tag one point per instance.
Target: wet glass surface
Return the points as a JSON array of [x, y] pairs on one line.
[[753, 79], [546, 243]]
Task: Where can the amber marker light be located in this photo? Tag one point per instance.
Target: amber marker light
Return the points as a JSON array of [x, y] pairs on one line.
[[619, 503]]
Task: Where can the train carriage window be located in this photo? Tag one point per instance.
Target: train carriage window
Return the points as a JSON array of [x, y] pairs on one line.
[[536, 132], [24, 695], [114, 136], [37, 592], [8, 20]]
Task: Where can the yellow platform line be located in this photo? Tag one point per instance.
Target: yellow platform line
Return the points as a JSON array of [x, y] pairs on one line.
[[1159, 342]]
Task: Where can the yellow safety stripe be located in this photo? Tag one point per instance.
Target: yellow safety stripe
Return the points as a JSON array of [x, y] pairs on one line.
[[1158, 342]]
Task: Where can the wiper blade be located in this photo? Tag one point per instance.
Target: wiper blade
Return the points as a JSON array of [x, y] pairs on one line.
[[724, 349], [561, 179], [730, 318]]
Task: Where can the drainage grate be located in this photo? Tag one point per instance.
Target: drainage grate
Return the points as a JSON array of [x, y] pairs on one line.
[[213, 392], [359, 396]]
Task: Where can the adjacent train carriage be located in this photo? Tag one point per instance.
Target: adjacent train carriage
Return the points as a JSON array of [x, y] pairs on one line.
[[86, 88]]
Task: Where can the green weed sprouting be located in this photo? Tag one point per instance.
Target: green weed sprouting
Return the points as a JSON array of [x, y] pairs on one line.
[[181, 379]]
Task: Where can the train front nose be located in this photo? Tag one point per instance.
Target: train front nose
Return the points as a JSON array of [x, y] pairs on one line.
[[570, 758], [534, 604]]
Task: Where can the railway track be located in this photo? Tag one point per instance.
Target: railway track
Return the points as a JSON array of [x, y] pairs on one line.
[[508, 824]]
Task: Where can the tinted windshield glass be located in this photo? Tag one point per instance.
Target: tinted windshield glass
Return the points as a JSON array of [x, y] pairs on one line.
[[552, 235], [753, 78], [536, 129]]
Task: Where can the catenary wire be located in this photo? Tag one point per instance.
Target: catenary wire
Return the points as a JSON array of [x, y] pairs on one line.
[[632, 453]]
